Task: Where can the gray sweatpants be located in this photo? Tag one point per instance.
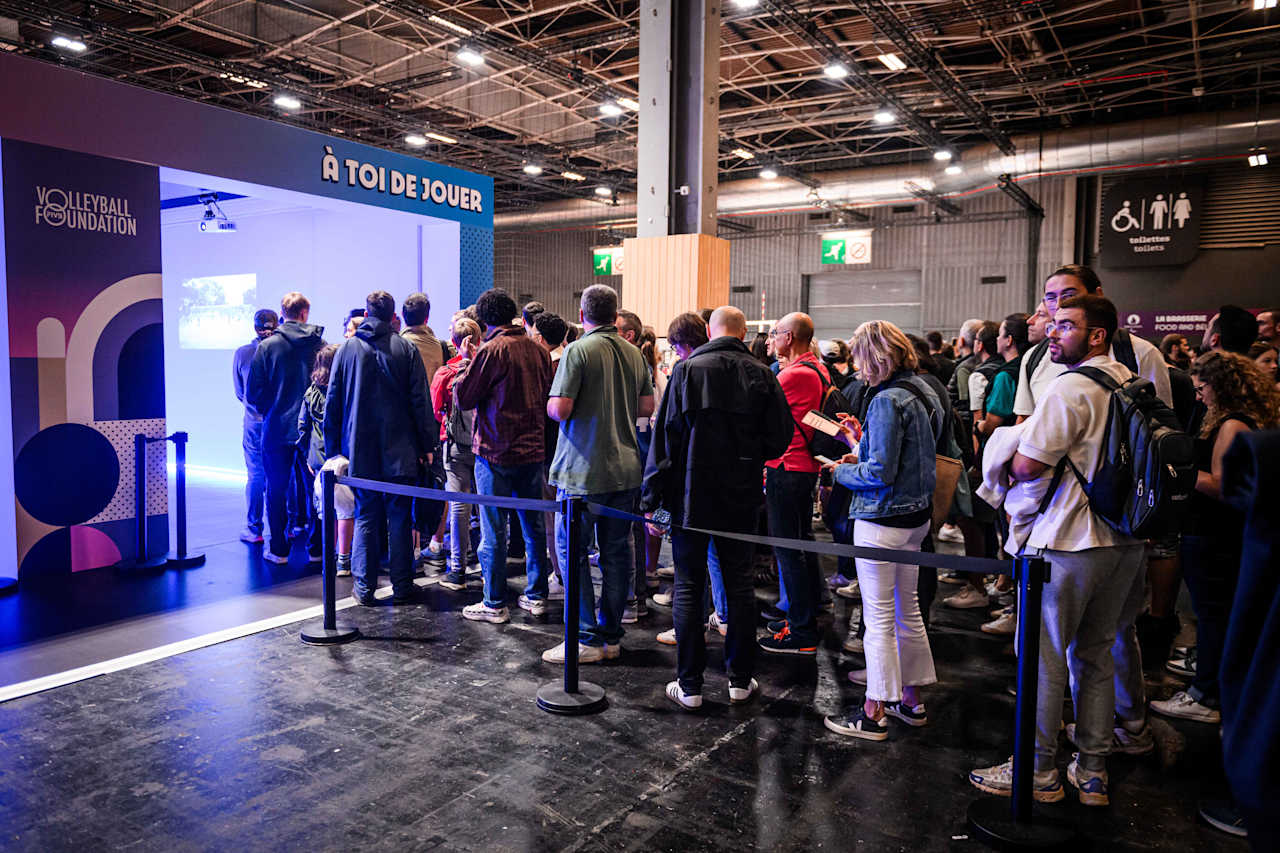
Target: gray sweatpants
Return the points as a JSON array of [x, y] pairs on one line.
[[1087, 593]]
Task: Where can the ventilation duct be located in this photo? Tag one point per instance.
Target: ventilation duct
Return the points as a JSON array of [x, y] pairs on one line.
[[1129, 145]]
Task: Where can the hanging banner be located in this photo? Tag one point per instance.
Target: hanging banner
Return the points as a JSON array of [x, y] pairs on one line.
[[86, 354], [846, 247], [1151, 221]]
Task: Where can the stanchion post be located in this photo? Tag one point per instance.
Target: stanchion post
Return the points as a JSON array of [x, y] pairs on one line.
[[571, 697], [1020, 825], [140, 559], [180, 559], [329, 632]]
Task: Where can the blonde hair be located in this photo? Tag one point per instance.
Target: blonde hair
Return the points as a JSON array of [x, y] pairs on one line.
[[464, 328], [879, 349], [293, 304]]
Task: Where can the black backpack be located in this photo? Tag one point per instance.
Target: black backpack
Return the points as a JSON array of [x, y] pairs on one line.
[[833, 405], [1143, 485]]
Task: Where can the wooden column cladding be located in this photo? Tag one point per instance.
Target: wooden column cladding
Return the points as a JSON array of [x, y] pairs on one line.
[[666, 276]]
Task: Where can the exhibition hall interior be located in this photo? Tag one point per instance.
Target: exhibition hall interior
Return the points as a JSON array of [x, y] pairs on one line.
[[892, 384]]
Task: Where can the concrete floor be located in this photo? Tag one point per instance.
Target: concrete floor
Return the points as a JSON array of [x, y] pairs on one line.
[[424, 736]]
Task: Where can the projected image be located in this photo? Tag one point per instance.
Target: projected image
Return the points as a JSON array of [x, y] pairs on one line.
[[216, 311]]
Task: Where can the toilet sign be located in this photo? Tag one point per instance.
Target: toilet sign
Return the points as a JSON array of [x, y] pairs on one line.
[[1151, 221], [846, 247]]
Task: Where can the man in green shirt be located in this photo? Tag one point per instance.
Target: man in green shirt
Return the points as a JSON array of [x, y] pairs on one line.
[[601, 386]]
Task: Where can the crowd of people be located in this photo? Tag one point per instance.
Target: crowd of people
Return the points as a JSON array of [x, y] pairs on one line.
[[894, 441]]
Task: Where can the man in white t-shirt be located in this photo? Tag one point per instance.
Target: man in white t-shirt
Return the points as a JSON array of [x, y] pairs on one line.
[[1138, 355], [1093, 567]]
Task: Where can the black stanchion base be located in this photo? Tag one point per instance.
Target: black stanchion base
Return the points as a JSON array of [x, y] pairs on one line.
[[186, 561], [589, 699], [143, 565], [8, 586], [992, 821], [316, 634]]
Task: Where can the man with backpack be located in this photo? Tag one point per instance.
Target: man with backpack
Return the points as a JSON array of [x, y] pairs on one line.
[[790, 481], [1094, 565]]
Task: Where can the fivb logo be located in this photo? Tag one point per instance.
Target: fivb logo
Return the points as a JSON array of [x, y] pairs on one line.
[[81, 211]]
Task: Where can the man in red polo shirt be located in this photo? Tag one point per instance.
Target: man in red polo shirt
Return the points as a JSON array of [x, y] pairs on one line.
[[790, 481]]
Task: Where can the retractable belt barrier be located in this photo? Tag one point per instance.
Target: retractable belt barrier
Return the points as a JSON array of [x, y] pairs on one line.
[[1018, 825]]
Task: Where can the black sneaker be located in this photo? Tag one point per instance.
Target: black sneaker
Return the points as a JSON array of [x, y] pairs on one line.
[[785, 643], [771, 613], [912, 716], [776, 626], [857, 724], [454, 580], [1223, 815]]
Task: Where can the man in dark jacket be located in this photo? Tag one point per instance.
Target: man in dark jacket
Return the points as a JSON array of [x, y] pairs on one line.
[[722, 416], [378, 415], [278, 377], [264, 325]]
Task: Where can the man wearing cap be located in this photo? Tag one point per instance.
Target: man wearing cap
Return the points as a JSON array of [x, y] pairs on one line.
[[264, 324]]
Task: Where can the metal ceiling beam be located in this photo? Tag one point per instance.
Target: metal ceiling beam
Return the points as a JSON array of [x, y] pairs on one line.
[[938, 202]]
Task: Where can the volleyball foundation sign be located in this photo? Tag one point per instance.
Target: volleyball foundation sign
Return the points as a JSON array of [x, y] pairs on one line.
[[1152, 222]]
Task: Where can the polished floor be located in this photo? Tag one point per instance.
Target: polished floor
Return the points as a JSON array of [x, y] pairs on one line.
[[424, 735]]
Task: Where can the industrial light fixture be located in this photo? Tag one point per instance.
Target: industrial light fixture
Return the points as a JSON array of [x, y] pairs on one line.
[[769, 173], [287, 102], [604, 192], [450, 25], [892, 61], [440, 137], [1259, 159], [743, 153], [467, 56], [629, 103], [884, 117], [416, 140], [74, 45], [954, 170], [610, 109], [942, 155], [1258, 5], [573, 176], [746, 4], [836, 70], [532, 169]]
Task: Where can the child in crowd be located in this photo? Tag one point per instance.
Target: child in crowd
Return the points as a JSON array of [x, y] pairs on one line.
[[312, 450]]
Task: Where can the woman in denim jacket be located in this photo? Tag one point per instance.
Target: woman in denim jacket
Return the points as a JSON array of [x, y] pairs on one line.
[[891, 476]]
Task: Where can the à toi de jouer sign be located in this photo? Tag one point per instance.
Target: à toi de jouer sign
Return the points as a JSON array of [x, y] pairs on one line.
[[394, 182]]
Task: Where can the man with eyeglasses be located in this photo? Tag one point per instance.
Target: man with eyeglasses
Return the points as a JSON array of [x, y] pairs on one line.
[[1094, 566]]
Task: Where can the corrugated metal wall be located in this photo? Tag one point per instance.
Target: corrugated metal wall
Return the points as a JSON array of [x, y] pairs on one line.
[[773, 259]]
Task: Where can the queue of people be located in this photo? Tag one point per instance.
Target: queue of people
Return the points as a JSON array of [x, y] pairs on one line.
[[963, 443]]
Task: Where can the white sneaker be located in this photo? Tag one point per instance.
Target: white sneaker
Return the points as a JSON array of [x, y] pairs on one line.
[[738, 695], [1123, 740], [482, 612], [688, 701], [968, 598], [663, 599], [713, 621], [849, 590], [1003, 625], [1182, 706], [950, 533], [555, 590], [271, 557], [858, 676], [586, 654], [536, 606], [667, 572], [667, 637]]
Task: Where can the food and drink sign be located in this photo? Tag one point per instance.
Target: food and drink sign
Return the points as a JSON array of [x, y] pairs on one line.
[[1152, 221], [846, 247]]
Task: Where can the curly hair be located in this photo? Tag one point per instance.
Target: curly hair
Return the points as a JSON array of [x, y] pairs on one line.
[[323, 364], [1239, 387]]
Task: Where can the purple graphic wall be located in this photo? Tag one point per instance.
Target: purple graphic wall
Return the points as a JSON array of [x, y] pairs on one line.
[[82, 240]]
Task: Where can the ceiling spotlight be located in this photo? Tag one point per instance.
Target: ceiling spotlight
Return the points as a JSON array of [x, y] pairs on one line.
[[943, 155], [467, 56], [610, 109], [836, 70], [440, 137], [1258, 159], [884, 117], [751, 4], [1263, 4], [629, 103], [72, 44], [743, 153], [892, 61], [573, 176], [953, 170], [769, 173], [447, 24], [287, 102], [416, 140], [532, 169], [604, 192]]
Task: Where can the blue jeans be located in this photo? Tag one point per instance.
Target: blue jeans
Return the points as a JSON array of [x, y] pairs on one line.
[[789, 502], [510, 481], [613, 537], [378, 513], [257, 483], [718, 600]]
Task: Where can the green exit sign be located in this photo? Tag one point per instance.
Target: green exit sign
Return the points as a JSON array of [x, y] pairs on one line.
[[607, 260], [846, 247]]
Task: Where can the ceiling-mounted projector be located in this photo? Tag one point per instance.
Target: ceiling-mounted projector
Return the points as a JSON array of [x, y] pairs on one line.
[[214, 220]]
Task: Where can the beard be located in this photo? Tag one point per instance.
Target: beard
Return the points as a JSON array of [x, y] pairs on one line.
[[1061, 353]]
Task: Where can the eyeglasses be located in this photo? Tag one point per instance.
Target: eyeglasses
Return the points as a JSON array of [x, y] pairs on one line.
[[1200, 387]]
